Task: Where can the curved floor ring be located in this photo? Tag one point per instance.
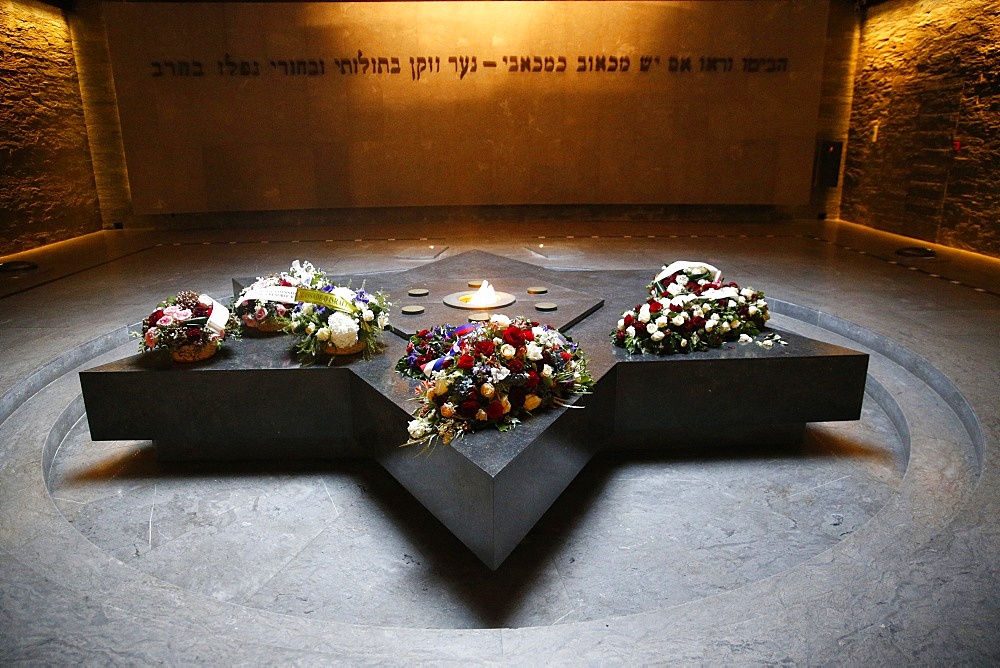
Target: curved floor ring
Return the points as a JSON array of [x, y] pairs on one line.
[[898, 407]]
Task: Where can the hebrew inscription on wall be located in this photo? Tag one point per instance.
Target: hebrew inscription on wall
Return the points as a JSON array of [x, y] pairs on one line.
[[231, 106]]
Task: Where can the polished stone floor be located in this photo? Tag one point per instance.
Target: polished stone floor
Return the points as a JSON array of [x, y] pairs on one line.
[[871, 542]]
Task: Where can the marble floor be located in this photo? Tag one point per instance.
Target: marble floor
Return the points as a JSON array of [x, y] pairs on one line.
[[871, 542]]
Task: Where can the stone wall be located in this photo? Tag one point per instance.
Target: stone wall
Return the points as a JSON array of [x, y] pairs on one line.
[[924, 145], [47, 191]]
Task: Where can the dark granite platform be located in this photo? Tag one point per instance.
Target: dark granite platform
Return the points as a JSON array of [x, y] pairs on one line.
[[254, 401]]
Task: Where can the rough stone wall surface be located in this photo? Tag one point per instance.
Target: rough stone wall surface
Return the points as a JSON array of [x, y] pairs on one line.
[[47, 189], [928, 76]]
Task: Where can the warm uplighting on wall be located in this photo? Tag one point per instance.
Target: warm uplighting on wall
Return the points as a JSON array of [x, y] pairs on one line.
[[45, 16]]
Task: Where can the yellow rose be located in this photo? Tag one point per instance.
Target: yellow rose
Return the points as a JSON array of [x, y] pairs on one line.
[[487, 390], [532, 401]]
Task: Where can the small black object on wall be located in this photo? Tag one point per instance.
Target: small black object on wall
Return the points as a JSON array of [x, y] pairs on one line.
[[827, 172]]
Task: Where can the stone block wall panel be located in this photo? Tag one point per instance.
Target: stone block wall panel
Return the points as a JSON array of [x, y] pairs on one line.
[[47, 191], [928, 76]]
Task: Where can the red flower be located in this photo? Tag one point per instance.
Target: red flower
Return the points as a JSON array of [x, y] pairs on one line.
[[620, 335], [468, 409], [495, 410], [154, 316], [515, 366], [485, 348], [676, 308], [514, 335], [192, 334], [423, 333], [529, 335], [565, 355], [466, 361], [629, 320], [532, 379], [655, 306]]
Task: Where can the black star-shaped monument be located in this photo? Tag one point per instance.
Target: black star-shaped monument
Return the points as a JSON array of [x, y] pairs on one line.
[[253, 400]]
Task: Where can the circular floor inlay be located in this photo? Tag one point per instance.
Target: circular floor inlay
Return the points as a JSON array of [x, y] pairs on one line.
[[343, 541]]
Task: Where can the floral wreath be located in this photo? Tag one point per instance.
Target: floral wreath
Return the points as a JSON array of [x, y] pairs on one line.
[[691, 309], [186, 322], [345, 322], [493, 374], [272, 316]]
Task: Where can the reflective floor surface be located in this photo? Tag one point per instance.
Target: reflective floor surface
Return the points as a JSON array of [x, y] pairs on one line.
[[871, 541]]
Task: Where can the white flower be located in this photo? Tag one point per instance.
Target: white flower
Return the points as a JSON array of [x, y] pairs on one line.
[[323, 334], [731, 304], [500, 319], [678, 320], [709, 325], [652, 328], [346, 294], [499, 373], [675, 289], [368, 315], [747, 292], [766, 343], [657, 335], [383, 320], [684, 343], [724, 327], [343, 330], [644, 313], [507, 351], [418, 428], [307, 308], [621, 323], [745, 338], [310, 328], [548, 338], [533, 351], [662, 322], [546, 371], [752, 310], [630, 330]]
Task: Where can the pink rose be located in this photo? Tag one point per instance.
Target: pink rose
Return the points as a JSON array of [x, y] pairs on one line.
[[151, 337], [165, 321], [182, 314], [172, 309], [260, 313], [280, 308]]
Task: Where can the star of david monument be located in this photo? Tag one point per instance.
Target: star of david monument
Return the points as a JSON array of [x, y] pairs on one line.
[[254, 400]]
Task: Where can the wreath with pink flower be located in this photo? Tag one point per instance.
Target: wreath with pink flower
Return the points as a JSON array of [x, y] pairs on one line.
[[265, 315], [489, 375], [187, 320]]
